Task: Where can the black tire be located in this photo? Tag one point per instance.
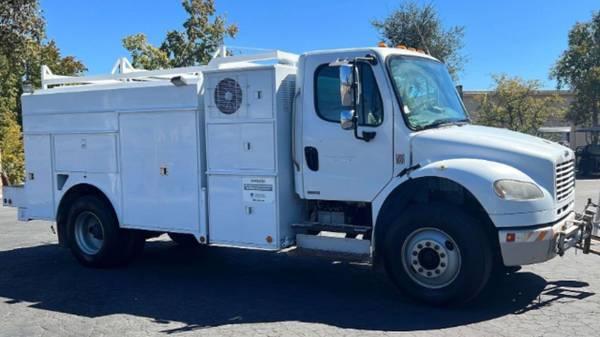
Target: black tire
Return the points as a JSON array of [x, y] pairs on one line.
[[466, 232], [118, 246], [184, 240]]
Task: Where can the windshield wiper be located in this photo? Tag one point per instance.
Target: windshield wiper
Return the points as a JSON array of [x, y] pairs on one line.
[[445, 122]]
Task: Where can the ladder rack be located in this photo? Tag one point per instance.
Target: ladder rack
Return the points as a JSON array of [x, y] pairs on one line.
[[123, 71]]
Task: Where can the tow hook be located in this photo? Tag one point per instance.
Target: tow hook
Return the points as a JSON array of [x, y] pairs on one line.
[[584, 230]]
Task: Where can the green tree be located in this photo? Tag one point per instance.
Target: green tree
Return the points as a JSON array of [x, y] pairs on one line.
[[23, 50], [514, 104], [204, 31], [579, 68], [420, 27]]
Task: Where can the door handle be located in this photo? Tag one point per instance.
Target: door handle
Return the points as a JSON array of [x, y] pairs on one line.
[[312, 158]]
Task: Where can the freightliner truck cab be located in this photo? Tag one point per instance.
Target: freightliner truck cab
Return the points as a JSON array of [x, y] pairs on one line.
[[373, 145], [451, 202]]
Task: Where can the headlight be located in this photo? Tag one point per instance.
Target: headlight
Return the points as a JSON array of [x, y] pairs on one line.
[[517, 190]]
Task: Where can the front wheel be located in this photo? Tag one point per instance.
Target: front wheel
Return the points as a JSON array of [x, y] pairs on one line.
[[438, 254]]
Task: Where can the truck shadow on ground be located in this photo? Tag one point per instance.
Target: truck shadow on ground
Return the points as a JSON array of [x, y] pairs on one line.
[[218, 286]]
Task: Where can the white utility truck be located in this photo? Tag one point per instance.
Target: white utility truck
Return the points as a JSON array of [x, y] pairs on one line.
[[274, 150]]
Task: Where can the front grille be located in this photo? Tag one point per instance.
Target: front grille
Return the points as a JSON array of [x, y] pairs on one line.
[[565, 179]]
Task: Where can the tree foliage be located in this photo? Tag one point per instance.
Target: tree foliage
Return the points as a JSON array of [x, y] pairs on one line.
[[204, 31], [23, 50], [516, 104], [579, 68], [420, 27]]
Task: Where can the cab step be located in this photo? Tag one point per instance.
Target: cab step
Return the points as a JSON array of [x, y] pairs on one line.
[[331, 244], [336, 228]]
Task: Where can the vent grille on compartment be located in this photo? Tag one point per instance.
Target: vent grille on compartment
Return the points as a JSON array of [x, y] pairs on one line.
[[228, 96]]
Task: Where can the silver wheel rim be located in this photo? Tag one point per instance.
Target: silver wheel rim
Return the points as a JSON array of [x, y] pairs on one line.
[[89, 233], [431, 258]]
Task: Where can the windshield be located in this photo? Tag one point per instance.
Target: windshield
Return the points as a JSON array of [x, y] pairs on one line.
[[426, 91]]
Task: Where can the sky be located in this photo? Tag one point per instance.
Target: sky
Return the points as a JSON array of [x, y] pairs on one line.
[[519, 38]]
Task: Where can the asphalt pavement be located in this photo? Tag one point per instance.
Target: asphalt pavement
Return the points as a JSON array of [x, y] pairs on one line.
[[229, 292]]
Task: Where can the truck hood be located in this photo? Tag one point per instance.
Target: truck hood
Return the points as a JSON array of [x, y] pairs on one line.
[[533, 156]]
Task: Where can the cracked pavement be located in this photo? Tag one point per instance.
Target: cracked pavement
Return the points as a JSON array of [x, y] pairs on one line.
[[228, 292]]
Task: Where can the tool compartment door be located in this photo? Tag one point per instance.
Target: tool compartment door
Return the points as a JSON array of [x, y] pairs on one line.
[[38, 185], [160, 176], [242, 211], [241, 146]]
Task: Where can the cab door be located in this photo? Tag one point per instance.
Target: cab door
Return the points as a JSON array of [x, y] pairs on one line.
[[336, 165]]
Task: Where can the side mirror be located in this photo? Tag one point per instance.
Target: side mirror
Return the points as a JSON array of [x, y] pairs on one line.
[[347, 119], [347, 81]]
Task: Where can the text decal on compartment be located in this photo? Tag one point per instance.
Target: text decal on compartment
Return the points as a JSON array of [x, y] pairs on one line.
[[259, 189]]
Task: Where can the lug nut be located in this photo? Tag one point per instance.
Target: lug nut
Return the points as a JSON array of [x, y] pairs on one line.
[[442, 265], [420, 246], [415, 253], [428, 273], [415, 262], [427, 243], [442, 255], [437, 271], [436, 247], [420, 270]]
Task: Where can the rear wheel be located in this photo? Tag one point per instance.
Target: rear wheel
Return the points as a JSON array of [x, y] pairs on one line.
[[95, 238], [438, 254]]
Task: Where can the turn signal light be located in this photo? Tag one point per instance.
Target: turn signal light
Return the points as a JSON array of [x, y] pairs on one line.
[[510, 237], [382, 45], [401, 46]]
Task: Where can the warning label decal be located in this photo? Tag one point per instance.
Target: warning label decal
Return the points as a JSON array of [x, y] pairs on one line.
[[259, 189]]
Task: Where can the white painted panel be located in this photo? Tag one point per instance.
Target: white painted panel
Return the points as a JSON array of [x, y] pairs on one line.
[[96, 98], [258, 146], [94, 153], [153, 198], [38, 184], [224, 146], [235, 221], [260, 94], [71, 122]]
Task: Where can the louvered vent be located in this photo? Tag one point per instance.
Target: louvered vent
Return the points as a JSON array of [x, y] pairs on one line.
[[228, 96], [565, 179]]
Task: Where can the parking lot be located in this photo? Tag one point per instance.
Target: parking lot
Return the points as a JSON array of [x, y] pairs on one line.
[[227, 292]]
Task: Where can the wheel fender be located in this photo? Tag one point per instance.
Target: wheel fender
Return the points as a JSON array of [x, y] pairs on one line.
[[478, 177]]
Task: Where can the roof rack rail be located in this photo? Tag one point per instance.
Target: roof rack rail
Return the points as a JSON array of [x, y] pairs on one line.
[[123, 71]]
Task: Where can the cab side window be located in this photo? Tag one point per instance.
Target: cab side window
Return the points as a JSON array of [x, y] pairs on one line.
[[328, 100]]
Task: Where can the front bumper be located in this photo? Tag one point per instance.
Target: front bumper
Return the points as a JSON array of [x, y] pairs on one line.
[[529, 246]]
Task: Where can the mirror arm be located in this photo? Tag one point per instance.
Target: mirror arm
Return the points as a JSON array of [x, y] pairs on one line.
[[366, 135]]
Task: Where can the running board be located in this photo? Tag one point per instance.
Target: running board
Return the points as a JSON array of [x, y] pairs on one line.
[[333, 244]]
